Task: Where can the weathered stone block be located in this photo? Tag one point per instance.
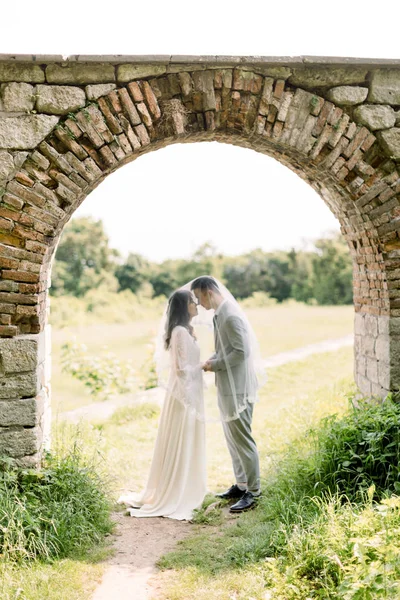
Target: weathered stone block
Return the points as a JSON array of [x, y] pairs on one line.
[[385, 86], [129, 72], [382, 348], [377, 390], [18, 97], [19, 442], [372, 370], [326, 76], [371, 325], [359, 324], [383, 325], [93, 92], [59, 99], [25, 132], [364, 385], [384, 374], [204, 83], [18, 355], [347, 95], [19, 385], [389, 140], [21, 72], [80, 73], [375, 116], [368, 346], [358, 345], [275, 72], [28, 462], [7, 166], [361, 365], [25, 412]]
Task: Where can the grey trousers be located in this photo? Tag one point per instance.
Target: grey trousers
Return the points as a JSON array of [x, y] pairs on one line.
[[243, 450]]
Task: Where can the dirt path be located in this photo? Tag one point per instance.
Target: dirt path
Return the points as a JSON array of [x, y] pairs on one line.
[[138, 544]]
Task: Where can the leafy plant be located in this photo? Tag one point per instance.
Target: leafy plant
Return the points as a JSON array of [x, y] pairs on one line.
[[360, 449]]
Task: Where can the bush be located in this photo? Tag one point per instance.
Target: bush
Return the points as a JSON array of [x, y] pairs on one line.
[[360, 450], [52, 512], [259, 300], [104, 375]]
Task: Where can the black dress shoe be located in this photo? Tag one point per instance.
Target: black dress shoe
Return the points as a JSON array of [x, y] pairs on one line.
[[232, 493], [246, 502]]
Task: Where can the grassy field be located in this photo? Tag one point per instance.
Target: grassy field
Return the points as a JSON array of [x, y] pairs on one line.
[[278, 328], [295, 396]]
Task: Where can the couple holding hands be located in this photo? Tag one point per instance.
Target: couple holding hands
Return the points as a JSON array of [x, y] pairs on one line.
[[177, 480]]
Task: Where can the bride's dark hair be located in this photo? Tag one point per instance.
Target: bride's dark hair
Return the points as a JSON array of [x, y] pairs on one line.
[[178, 314]]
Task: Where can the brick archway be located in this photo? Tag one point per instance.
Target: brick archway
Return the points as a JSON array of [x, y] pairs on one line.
[[319, 131]]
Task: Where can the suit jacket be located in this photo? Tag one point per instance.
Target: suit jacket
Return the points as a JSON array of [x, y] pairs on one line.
[[235, 375]]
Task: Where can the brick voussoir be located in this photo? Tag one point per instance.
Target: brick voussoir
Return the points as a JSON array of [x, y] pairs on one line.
[[25, 194], [13, 298], [22, 276]]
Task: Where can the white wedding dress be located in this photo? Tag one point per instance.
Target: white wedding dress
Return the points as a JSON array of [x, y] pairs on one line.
[[177, 480]]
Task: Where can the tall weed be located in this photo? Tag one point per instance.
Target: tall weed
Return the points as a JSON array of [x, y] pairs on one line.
[[54, 511]]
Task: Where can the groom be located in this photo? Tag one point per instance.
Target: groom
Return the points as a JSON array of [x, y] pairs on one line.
[[230, 365]]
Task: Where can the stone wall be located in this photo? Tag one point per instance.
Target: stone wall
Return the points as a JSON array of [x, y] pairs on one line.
[[65, 124], [25, 396]]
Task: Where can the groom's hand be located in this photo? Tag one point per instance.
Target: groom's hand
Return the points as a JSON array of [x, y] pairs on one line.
[[206, 366]]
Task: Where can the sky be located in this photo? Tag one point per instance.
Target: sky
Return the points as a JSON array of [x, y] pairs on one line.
[[167, 203]]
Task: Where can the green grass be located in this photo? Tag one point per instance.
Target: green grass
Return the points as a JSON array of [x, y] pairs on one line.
[[67, 579]]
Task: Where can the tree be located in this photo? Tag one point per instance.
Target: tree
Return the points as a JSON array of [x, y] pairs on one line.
[[83, 259], [133, 272], [332, 271]]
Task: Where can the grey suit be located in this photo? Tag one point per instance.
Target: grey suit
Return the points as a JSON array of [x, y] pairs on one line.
[[234, 377]]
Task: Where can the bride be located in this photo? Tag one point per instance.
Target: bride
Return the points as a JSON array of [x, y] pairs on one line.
[[177, 480]]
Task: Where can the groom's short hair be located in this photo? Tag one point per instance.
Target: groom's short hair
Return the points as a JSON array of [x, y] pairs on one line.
[[205, 283]]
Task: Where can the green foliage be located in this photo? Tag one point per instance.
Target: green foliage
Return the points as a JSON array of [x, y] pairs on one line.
[[83, 259], [105, 375], [133, 273], [332, 272], [360, 450], [54, 511]]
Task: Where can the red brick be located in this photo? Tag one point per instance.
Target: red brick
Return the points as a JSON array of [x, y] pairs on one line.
[[128, 107], [23, 276], [11, 240], [23, 178], [135, 91], [115, 101], [150, 99], [111, 120], [8, 331]]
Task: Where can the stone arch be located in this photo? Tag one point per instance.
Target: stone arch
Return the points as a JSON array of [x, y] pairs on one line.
[[299, 125]]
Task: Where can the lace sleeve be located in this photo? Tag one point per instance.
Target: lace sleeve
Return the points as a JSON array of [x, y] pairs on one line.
[[181, 355], [187, 373]]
